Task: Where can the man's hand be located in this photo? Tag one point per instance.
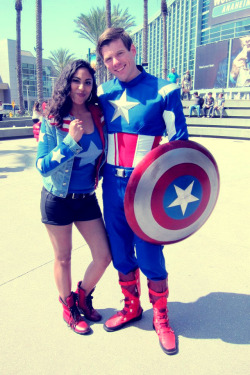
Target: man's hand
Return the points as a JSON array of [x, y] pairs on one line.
[[239, 62]]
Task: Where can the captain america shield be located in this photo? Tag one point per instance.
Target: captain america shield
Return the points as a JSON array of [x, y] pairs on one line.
[[172, 192]]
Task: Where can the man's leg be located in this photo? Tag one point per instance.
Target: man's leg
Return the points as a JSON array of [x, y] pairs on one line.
[[121, 240], [152, 263]]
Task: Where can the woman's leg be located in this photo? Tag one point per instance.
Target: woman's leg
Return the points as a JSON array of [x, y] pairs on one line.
[[94, 234], [61, 239]]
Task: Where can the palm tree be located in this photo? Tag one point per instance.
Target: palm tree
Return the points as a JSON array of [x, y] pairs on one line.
[[145, 33], [39, 60], [91, 26], [108, 24], [164, 13], [60, 58], [19, 7], [108, 13]]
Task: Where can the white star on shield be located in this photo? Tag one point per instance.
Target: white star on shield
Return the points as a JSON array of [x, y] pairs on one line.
[[57, 156], [184, 197], [122, 107]]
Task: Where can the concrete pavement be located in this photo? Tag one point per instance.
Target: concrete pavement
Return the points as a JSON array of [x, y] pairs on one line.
[[209, 299]]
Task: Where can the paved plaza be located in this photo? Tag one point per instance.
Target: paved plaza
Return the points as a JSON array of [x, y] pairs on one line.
[[209, 302]]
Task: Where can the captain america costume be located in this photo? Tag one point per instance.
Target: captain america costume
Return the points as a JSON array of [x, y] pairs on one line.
[[137, 114]]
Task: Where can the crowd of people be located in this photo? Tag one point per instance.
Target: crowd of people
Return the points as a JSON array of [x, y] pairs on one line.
[[209, 105]]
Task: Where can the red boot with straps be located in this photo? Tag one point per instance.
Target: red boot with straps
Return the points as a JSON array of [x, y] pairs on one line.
[[158, 293], [84, 304], [132, 310], [72, 316]]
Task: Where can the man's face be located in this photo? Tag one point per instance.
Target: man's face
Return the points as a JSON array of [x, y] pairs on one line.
[[173, 70], [119, 61]]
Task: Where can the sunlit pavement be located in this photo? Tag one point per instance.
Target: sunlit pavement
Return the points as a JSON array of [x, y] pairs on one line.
[[208, 278]]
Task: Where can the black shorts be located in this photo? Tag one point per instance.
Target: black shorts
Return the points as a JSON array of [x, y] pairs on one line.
[[64, 211]]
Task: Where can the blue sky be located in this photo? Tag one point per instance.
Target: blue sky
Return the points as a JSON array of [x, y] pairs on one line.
[[58, 22]]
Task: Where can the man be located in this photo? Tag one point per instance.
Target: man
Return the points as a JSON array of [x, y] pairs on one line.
[[209, 105], [186, 85], [240, 72], [198, 101], [138, 110], [219, 106], [173, 76]]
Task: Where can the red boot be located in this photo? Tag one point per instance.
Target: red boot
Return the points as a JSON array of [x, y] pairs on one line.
[[84, 304], [160, 321], [72, 316], [132, 310]]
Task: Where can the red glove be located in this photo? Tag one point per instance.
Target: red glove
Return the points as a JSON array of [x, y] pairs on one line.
[[36, 130]]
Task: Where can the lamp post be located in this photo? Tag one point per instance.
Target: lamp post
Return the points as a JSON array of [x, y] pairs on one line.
[[28, 100], [53, 79]]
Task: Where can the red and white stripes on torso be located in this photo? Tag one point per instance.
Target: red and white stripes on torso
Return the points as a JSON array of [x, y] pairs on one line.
[[126, 150]]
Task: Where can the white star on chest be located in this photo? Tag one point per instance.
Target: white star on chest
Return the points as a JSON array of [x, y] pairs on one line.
[[57, 156], [183, 197], [122, 107]]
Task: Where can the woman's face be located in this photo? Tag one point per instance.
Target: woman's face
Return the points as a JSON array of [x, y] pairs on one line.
[[81, 86]]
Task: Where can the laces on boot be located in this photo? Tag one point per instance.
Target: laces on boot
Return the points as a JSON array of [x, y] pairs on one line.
[[75, 316], [89, 303]]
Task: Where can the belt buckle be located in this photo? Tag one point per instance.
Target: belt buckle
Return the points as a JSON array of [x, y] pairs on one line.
[[120, 172]]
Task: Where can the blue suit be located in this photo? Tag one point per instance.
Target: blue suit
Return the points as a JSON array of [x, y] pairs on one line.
[[137, 114]]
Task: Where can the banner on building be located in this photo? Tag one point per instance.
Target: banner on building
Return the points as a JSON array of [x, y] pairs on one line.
[[240, 62], [211, 65], [221, 11]]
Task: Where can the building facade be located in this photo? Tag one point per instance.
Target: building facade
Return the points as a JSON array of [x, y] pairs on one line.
[[8, 76], [189, 27]]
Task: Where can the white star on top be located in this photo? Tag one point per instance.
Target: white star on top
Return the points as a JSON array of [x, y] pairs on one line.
[[122, 107], [89, 156], [39, 164], [57, 156], [183, 197], [41, 135]]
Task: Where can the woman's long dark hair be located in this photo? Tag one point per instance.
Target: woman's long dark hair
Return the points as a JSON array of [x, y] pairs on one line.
[[61, 103]]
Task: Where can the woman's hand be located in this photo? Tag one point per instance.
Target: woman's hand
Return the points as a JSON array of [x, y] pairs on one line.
[[76, 130]]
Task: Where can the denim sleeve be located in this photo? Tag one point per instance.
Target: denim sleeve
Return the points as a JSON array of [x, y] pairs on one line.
[[51, 153]]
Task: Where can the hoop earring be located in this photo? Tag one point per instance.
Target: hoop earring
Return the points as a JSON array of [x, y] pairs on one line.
[[90, 97]]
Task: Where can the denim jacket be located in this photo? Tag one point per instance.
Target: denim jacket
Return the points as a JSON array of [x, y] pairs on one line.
[[57, 149]]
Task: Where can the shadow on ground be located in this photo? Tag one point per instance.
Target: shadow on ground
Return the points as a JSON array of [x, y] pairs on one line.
[[222, 316]]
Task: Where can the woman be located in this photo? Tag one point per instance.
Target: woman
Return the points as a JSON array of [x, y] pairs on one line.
[[71, 151], [186, 85]]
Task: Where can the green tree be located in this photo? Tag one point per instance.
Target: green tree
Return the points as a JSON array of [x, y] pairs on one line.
[[90, 26], [164, 13], [60, 58], [19, 7], [39, 58]]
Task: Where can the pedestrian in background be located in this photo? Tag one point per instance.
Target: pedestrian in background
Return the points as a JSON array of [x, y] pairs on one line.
[[37, 113], [186, 85], [173, 76], [220, 105], [208, 105], [198, 102]]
